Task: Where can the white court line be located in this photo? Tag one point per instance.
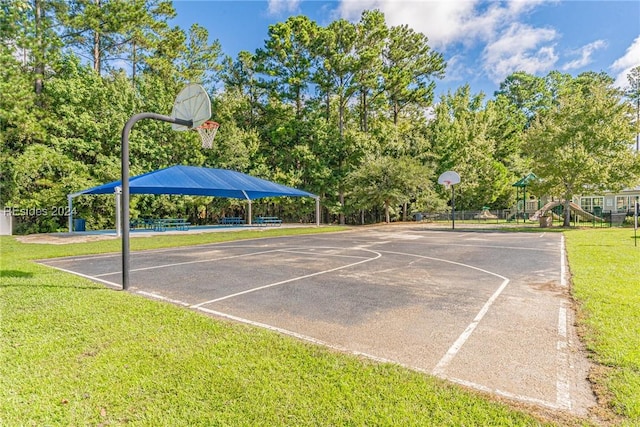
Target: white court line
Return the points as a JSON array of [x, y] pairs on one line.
[[378, 255], [299, 251], [272, 328], [447, 262], [503, 393], [369, 356], [163, 298], [563, 265], [457, 345], [174, 264], [86, 276], [563, 388], [491, 246], [290, 250], [302, 337], [46, 261], [345, 350], [195, 248], [562, 322], [467, 245]]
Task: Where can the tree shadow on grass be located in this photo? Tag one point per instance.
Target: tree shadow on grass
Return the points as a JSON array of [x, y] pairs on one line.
[[15, 274], [6, 275]]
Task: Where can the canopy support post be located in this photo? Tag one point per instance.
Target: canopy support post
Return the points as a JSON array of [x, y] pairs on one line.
[[118, 197], [70, 205], [317, 211], [249, 206]]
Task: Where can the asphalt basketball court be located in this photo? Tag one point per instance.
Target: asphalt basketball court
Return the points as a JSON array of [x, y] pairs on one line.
[[489, 310]]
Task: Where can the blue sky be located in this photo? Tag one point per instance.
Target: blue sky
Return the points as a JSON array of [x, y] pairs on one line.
[[482, 41]]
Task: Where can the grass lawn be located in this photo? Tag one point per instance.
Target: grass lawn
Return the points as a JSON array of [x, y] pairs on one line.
[[75, 353], [605, 269]]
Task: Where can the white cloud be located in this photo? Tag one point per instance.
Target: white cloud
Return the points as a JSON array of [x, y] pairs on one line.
[[276, 7], [445, 22], [585, 53], [441, 21], [509, 45], [520, 48], [622, 66]]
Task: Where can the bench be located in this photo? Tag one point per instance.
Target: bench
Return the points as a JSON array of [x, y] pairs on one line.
[[164, 223], [147, 223], [268, 220], [231, 220]]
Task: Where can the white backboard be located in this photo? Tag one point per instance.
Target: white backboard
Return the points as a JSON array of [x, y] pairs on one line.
[[192, 103], [449, 178]]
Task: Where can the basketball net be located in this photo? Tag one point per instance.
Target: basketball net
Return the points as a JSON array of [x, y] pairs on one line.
[[447, 184], [207, 132]]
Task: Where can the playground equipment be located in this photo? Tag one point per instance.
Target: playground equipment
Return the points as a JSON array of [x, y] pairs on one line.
[[522, 184], [485, 214], [576, 209]]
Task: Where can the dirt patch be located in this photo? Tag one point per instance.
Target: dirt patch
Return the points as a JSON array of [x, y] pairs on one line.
[[551, 286], [62, 238]]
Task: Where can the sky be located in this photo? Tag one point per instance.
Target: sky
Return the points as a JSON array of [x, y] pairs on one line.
[[482, 41]]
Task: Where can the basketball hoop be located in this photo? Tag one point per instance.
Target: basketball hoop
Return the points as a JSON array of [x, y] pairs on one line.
[[449, 179], [207, 132]]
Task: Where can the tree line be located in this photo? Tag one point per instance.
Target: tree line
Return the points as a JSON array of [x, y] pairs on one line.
[[346, 111]]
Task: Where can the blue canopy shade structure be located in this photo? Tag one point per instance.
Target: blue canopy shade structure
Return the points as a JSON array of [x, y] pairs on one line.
[[198, 181]]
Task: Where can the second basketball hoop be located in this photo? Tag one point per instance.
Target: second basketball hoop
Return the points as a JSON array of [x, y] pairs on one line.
[[449, 179], [207, 132]]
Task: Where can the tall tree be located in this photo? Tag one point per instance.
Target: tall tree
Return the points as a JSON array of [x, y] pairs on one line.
[[146, 31], [164, 58], [372, 35], [506, 129], [29, 30], [409, 69], [527, 92], [19, 84], [103, 30], [286, 60], [633, 93], [582, 143], [198, 62], [337, 67], [337, 62], [239, 77]]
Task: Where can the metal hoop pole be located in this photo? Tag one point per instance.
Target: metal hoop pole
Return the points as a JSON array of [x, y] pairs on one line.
[[453, 208], [635, 221], [125, 183]]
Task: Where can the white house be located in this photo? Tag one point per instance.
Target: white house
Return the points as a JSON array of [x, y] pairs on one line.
[[623, 201]]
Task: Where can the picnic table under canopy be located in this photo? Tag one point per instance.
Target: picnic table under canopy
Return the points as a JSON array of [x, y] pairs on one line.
[[199, 181]]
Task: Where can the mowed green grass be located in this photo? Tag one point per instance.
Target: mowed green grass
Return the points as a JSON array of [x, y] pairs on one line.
[[75, 353], [605, 269]]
